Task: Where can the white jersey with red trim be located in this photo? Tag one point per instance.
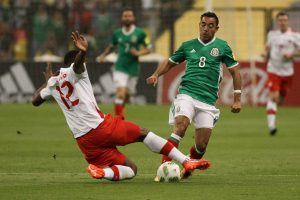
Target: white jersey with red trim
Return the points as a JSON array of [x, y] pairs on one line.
[[74, 94], [281, 43]]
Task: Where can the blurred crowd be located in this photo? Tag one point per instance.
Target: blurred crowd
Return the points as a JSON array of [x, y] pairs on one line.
[[30, 28]]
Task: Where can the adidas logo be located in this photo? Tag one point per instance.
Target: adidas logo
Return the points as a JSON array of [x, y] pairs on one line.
[[193, 51], [16, 85]]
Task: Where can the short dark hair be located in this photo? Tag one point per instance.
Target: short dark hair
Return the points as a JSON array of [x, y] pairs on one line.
[[127, 8], [282, 13], [70, 57], [210, 15]]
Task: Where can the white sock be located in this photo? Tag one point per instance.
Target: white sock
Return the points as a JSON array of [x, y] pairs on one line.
[[271, 114], [124, 172], [157, 144], [119, 101]]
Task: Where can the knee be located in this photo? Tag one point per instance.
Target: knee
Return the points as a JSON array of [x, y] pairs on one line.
[[134, 169], [180, 127]]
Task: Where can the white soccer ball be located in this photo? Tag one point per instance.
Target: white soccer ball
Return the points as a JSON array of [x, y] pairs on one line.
[[168, 172]]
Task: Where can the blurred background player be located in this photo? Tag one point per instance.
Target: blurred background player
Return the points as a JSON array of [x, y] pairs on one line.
[[198, 90], [282, 46], [131, 42], [97, 134]]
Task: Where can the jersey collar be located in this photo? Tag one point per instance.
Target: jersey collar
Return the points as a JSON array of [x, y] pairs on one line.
[[132, 28], [206, 43]]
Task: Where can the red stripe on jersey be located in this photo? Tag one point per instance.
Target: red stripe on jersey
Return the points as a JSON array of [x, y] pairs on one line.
[[271, 112], [116, 173], [99, 112], [166, 148]]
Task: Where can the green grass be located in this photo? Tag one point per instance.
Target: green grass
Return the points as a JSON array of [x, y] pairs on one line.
[[247, 162]]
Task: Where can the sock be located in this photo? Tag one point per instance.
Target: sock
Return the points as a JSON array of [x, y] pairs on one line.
[[195, 153], [174, 139], [159, 145], [271, 114], [119, 107], [118, 172]]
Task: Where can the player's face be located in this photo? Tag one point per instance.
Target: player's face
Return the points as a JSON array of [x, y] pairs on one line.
[[127, 18], [283, 22], [208, 27]]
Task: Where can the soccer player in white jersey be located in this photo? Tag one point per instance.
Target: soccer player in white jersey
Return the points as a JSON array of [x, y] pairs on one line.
[[198, 90], [97, 134], [282, 46]]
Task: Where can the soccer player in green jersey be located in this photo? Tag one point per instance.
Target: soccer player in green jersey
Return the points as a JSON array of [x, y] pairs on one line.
[[198, 90], [131, 42]]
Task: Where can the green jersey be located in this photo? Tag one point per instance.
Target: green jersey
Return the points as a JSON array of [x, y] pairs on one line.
[[203, 69], [135, 38]]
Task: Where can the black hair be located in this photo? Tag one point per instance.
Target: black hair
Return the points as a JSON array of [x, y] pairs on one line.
[[70, 57], [210, 15], [282, 13]]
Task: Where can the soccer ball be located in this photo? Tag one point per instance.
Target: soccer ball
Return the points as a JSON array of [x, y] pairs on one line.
[[168, 172]]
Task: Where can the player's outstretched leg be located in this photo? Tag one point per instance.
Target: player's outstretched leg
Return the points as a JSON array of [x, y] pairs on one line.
[[162, 146], [114, 173]]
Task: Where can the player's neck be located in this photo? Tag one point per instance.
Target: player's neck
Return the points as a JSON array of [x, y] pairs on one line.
[[128, 28]]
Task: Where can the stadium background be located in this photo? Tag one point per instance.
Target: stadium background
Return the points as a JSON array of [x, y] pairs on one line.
[[33, 32]]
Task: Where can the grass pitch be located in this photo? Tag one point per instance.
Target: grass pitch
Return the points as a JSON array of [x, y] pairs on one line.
[[39, 159]]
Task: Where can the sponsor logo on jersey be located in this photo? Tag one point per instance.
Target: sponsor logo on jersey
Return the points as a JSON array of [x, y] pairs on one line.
[[134, 39], [214, 52]]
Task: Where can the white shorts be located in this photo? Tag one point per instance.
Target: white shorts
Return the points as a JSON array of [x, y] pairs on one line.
[[201, 114], [122, 79]]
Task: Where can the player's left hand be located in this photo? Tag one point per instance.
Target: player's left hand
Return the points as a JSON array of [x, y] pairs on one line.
[[79, 41], [48, 72], [236, 107], [134, 52], [152, 80], [288, 56]]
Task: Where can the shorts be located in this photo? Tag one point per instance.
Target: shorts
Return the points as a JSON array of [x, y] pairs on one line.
[[201, 114], [122, 79], [99, 145], [279, 83]]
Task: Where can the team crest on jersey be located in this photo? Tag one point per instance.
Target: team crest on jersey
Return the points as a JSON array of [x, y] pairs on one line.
[[214, 52], [134, 39]]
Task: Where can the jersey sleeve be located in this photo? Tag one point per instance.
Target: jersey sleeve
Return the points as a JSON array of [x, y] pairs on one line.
[[228, 57], [178, 56], [45, 93], [75, 77], [268, 44], [114, 40], [145, 41], [297, 41]]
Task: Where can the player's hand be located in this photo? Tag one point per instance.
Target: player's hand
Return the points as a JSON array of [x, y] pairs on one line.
[[134, 52], [79, 41], [152, 80], [236, 107], [48, 72], [288, 56], [100, 59]]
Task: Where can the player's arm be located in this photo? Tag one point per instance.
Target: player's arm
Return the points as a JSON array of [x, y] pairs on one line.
[[81, 43], [37, 98], [141, 52], [237, 85], [163, 68], [110, 48]]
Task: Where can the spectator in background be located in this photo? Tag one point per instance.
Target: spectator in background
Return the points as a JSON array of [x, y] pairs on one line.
[[80, 17], [58, 30], [283, 45], [6, 45], [102, 26], [41, 25]]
